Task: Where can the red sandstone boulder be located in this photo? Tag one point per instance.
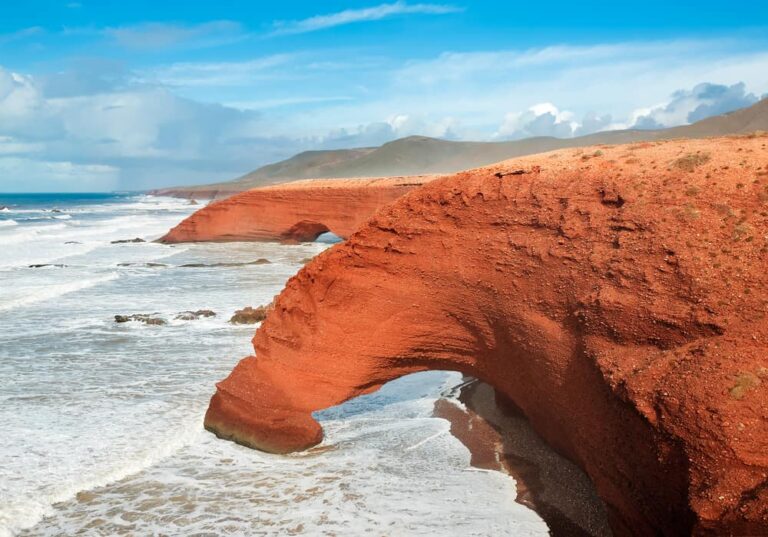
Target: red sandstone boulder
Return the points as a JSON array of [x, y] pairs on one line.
[[618, 295]]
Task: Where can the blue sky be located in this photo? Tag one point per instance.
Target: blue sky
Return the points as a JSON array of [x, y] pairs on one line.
[[131, 95]]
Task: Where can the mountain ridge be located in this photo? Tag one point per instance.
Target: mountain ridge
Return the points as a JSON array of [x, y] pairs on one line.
[[417, 155]]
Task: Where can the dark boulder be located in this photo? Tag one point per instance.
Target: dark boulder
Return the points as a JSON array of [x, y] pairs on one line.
[[140, 317], [194, 315], [126, 241]]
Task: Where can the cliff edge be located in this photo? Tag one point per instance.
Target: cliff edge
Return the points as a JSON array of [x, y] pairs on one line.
[[618, 295]]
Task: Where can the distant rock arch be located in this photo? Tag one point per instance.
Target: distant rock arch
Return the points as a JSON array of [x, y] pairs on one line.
[[293, 212]]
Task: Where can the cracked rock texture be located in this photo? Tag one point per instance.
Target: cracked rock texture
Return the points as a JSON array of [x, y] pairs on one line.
[[618, 295], [293, 212]]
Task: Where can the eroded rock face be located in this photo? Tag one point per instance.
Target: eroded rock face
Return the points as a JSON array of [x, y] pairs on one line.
[[293, 212], [617, 295]]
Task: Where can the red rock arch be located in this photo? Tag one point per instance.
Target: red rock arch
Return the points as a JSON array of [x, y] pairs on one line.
[[597, 305], [292, 212]]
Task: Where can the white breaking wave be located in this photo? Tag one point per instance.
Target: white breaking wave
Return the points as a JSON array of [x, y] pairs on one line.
[[54, 291], [23, 211], [6, 223], [26, 233], [25, 513]]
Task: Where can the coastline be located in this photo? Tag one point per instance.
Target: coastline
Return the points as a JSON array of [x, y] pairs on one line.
[[500, 438]]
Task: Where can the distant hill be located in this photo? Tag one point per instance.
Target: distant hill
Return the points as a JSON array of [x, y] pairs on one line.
[[416, 155]]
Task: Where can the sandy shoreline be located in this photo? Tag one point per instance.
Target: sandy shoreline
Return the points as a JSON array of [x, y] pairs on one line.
[[500, 438]]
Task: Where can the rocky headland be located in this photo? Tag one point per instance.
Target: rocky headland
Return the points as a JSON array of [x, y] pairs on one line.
[[293, 212], [616, 294]]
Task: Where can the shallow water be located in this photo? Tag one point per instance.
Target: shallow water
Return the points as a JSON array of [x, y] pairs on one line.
[[102, 422]]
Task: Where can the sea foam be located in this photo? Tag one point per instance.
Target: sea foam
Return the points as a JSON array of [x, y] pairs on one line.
[[54, 291]]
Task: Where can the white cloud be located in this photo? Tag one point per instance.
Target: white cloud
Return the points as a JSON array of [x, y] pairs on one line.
[[689, 106], [349, 16], [29, 175], [139, 132], [278, 102], [685, 106], [217, 73], [154, 35], [546, 119], [380, 132], [21, 34], [12, 146], [609, 79], [543, 119], [22, 109], [535, 62]]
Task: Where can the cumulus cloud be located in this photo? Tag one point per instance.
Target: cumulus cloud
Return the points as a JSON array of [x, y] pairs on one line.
[[546, 119], [689, 106], [543, 119], [593, 122], [381, 132], [23, 111], [686, 106], [134, 134], [349, 16]]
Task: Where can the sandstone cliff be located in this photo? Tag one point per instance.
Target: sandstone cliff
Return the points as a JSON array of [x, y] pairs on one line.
[[298, 211], [617, 295]]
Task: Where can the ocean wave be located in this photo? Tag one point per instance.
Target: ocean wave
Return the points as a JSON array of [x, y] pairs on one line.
[[6, 223], [54, 291], [26, 512], [22, 211], [31, 232]]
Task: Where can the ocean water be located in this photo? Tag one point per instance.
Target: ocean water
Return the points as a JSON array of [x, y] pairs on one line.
[[101, 423]]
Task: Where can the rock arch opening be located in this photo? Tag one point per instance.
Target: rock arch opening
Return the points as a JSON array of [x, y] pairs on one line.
[[305, 231], [329, 237]]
